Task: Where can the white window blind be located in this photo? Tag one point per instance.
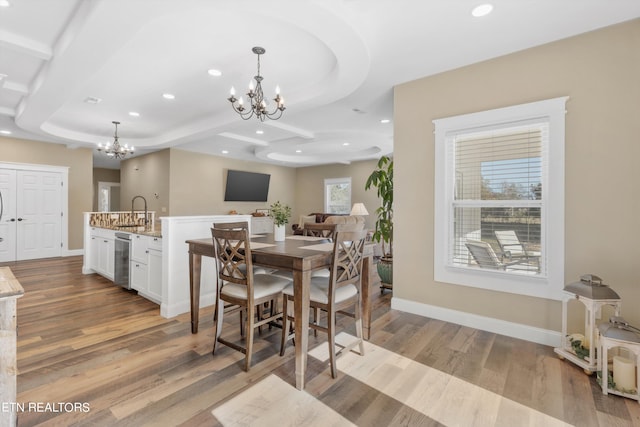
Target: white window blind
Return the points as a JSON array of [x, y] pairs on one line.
[[498, 198]]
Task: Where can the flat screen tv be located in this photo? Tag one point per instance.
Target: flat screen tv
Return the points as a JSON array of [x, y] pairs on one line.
[[246, 186]]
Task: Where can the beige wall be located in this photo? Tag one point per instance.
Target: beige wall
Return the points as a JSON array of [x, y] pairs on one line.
[[310, 188], [146, 176], [191, 183], [80, 163], [599, 72], [103, 175]]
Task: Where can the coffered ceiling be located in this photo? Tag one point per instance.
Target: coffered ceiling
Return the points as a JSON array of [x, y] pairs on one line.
[[68, 68]]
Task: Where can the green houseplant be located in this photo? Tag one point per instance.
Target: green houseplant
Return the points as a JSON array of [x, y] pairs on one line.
[[382, 179], [280, 214]]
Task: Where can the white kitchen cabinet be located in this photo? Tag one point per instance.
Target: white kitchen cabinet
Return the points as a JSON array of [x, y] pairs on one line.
[[139, 247], [154, 275], [102, 259], [261, 225], [138, 276], [146, 266]]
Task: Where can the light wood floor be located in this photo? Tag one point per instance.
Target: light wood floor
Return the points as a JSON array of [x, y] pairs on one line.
[[84, 340]]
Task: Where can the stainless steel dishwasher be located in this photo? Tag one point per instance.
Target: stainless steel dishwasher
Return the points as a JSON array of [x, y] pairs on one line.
[[121, 271]]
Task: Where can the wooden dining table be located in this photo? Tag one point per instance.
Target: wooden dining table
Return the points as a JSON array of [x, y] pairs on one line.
[[299, 254]]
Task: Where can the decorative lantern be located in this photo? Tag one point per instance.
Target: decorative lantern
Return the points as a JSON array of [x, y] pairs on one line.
[[590, 291], [625, 377]]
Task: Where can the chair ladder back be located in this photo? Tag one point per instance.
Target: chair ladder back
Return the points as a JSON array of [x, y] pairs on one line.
[[319, 230], [233, 255], [346, 263], [238, 225]]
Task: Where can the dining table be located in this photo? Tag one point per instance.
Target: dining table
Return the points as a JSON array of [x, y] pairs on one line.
[[299, 254]]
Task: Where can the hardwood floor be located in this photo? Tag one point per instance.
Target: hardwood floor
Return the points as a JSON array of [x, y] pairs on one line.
[[85, 342]]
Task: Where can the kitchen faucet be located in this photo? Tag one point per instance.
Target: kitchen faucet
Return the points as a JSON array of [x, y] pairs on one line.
[[146, 221]]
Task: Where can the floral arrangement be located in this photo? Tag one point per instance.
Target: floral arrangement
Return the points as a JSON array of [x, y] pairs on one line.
[[280, 213]]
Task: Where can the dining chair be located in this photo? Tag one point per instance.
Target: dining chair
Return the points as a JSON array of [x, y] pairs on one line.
[[319, 230], [340, 291], [260, 310], [238, 285]]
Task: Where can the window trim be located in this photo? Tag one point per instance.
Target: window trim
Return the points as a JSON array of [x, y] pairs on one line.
[[333, 181], [550, 286]]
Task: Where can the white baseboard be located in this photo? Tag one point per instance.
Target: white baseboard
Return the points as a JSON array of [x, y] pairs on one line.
[[74, 252], [515, 330]]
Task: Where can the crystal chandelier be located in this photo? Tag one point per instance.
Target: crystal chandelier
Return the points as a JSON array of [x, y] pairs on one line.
[[259, 106], [115, 150]]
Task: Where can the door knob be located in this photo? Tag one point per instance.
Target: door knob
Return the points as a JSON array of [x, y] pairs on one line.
[[12, 220], [19, 219]]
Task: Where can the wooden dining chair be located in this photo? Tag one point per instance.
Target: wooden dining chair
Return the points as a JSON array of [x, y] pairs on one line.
[[238, 285], [340, 291], [261, 309], [319, 230]]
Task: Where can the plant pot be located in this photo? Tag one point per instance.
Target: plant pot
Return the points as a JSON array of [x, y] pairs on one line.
[[385, 270], [278, 233]]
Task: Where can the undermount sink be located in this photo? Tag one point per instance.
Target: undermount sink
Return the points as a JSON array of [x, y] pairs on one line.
[[130, 225]]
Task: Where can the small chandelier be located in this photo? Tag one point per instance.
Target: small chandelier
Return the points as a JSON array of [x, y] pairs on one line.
[[256, 98], [115, 150]]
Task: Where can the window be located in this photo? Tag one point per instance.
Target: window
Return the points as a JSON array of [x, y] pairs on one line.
[[499, 207], [337, 195]]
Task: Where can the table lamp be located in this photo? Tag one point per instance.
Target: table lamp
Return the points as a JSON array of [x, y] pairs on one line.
[[359, 209]]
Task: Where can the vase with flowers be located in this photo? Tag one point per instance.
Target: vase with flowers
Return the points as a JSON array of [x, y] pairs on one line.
[[281, 214]]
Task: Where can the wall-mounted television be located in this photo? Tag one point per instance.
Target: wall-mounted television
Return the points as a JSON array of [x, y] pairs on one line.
[[246, 186]]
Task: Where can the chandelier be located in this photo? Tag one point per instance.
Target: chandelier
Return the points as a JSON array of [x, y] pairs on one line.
[[259, 106], [115, 150]]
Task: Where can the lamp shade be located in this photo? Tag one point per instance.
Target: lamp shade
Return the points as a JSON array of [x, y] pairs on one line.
[[359, 209]]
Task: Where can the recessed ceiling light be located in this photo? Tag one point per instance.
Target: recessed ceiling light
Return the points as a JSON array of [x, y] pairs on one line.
[[5, 132], [298, 151], [225, 151], [5, 3], [168, 96], [482, 10], [215, 73], [345, 143], [92, 100], [134, 114], [260, 132], [385, 121]]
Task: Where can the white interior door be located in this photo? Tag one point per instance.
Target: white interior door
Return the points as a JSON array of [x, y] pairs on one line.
[[39, 215], [8, 215]]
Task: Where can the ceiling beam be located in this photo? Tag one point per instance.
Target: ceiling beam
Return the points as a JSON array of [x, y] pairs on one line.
[[21, 44]]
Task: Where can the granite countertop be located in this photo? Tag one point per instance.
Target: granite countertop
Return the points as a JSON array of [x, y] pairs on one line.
[[145, 230]]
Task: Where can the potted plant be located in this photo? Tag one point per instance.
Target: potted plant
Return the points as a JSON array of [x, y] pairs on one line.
[[280, 214], [382, 179]]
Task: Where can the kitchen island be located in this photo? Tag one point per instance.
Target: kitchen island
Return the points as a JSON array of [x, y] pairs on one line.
[[162, 273]]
